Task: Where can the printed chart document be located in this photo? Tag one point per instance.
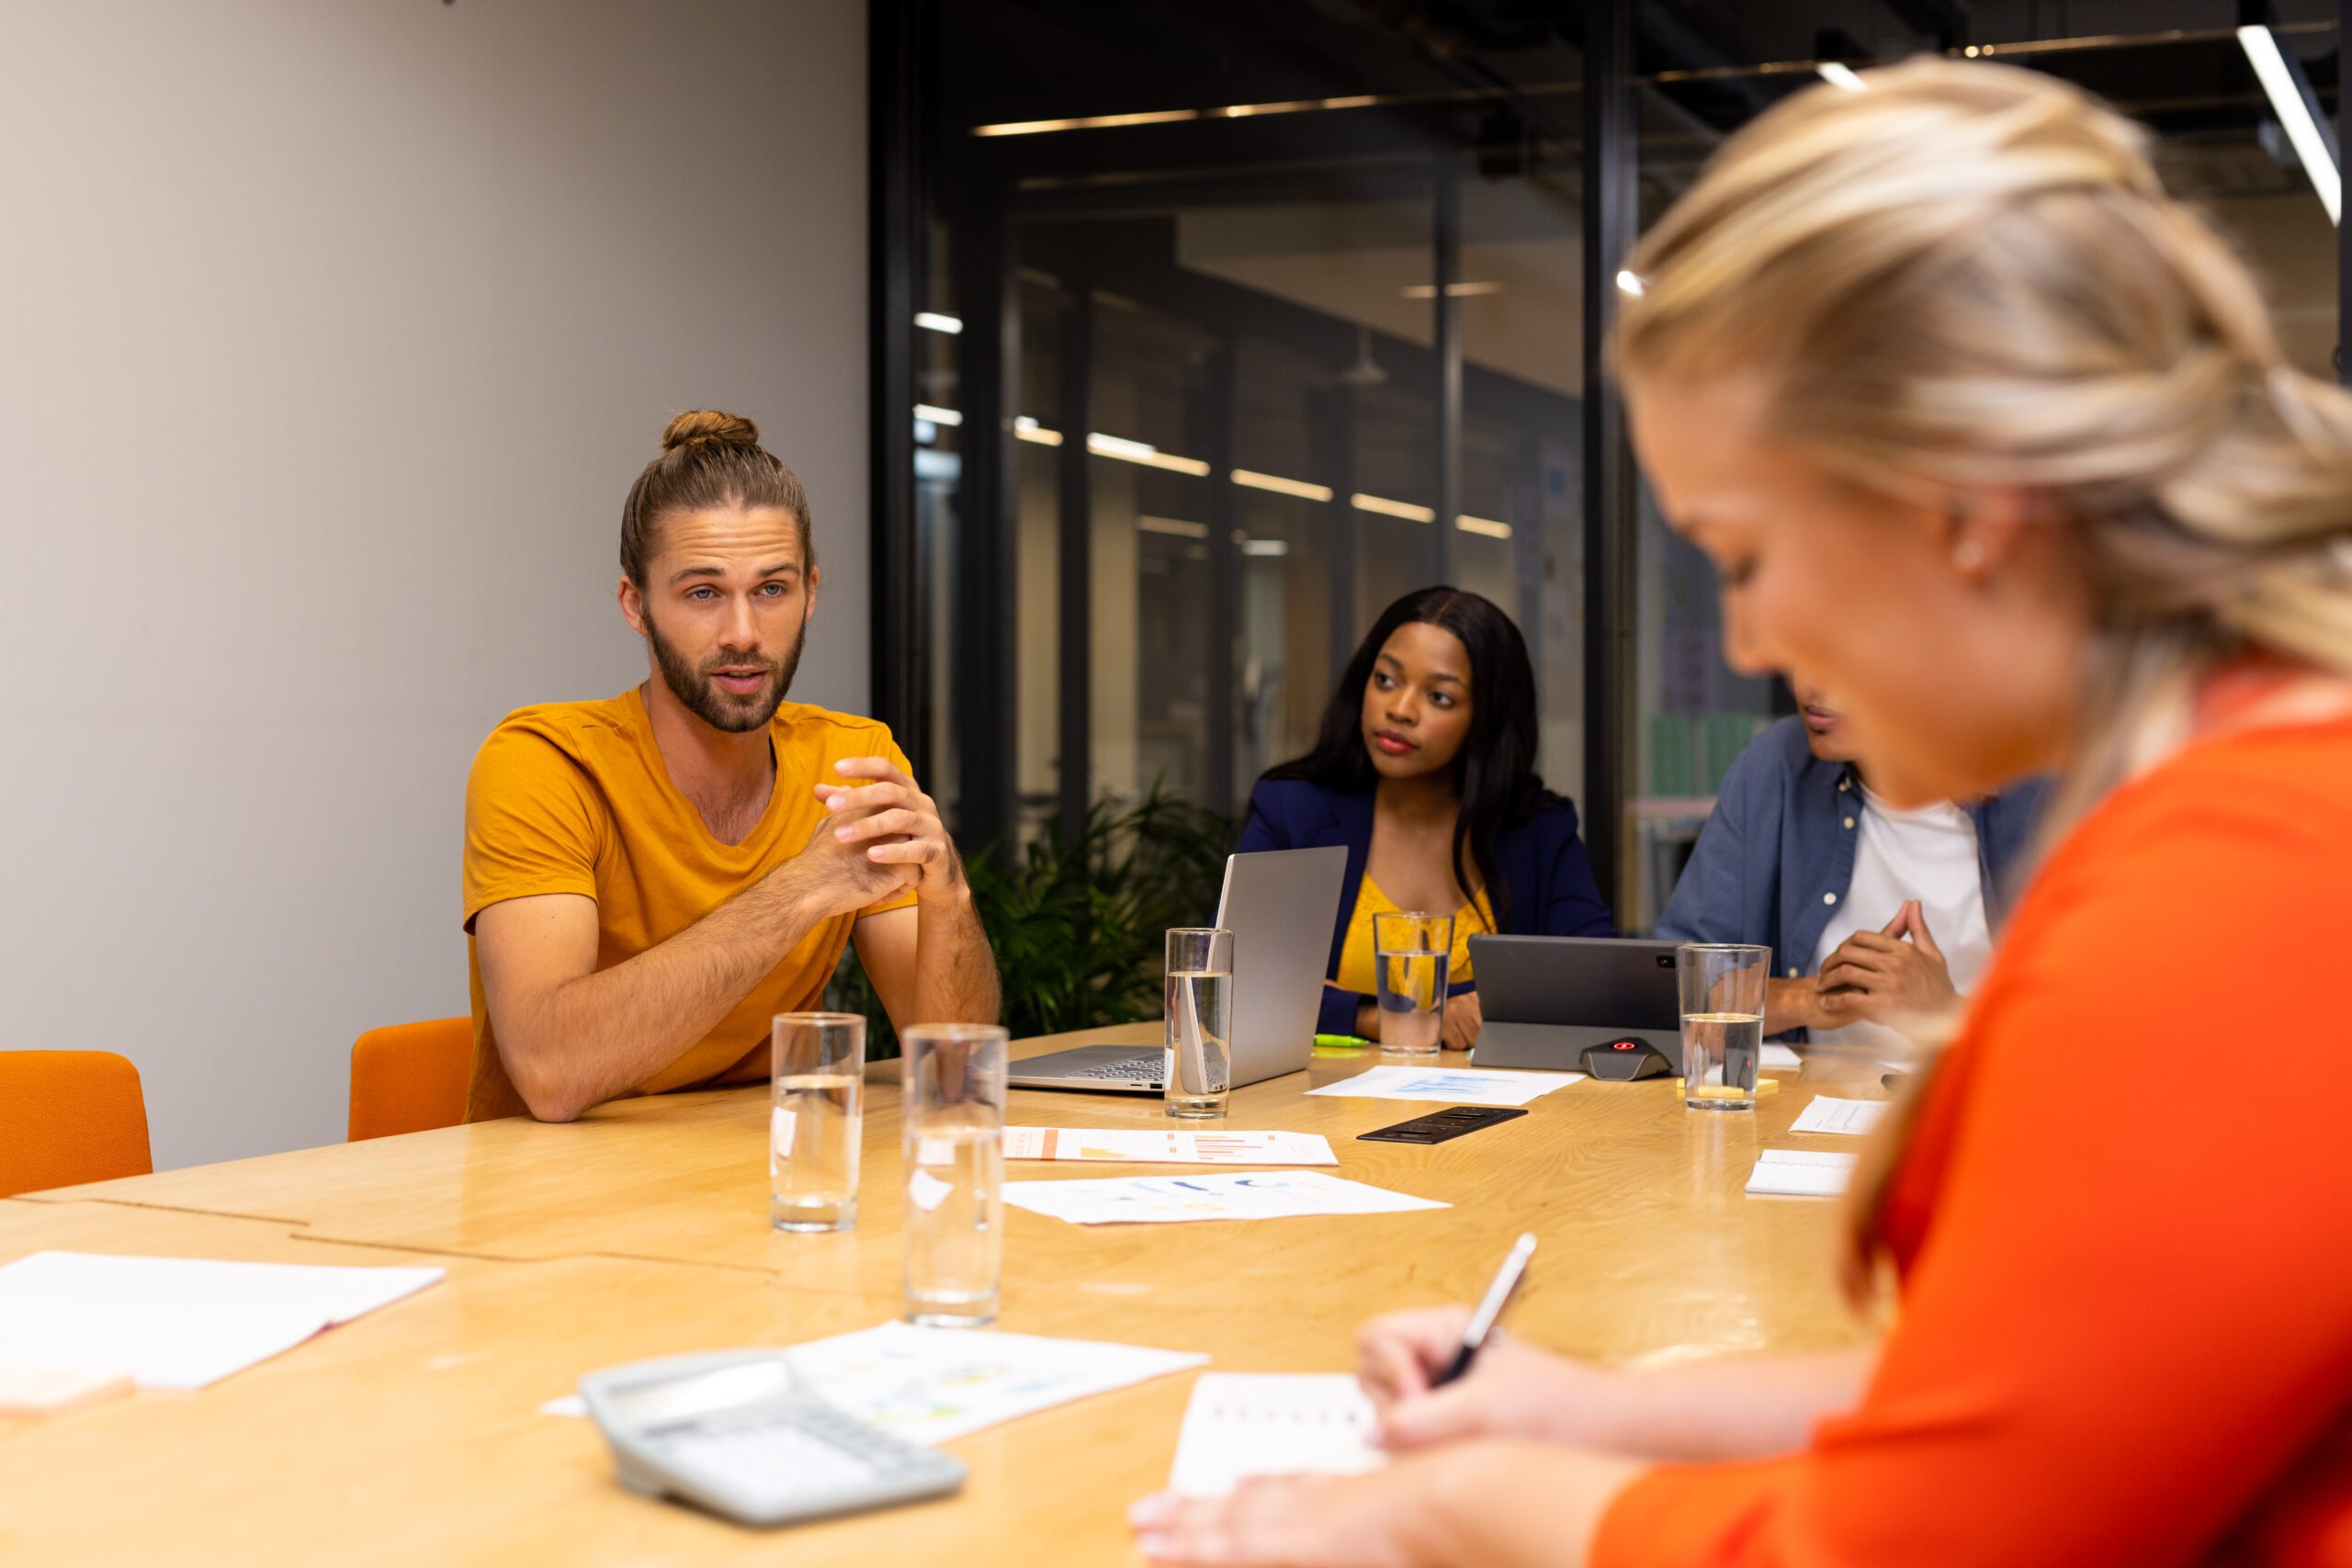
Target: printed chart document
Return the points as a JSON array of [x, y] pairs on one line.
[[1800, 1173], [1455, 1086], [1244, 1423], [179, 1323], [1827, 1114], [930, 1385], [1163, 1200], [1167, 1147]]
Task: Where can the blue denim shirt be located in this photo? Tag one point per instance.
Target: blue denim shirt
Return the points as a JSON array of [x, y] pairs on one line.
[[1778, 853]]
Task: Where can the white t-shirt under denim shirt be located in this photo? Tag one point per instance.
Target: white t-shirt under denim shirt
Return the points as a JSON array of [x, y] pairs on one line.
[[1930, 855]]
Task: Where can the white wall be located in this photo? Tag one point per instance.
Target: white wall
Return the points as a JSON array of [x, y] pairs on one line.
[[331, 337]]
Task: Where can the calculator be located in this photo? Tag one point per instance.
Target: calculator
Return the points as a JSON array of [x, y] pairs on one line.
[[735, 1432]]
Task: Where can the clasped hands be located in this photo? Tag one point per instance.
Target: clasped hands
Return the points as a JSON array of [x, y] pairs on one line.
[[1881, 977], [882, 832]]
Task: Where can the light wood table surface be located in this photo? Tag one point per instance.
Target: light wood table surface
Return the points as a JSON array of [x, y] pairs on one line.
[[415, 1433]]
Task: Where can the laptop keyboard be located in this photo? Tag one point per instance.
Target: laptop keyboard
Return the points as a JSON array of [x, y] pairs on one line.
[[1117, 1072]]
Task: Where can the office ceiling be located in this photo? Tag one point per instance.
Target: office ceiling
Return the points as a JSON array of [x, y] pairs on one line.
[[1329, 208]]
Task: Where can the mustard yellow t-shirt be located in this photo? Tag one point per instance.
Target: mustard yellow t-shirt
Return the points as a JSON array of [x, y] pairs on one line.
[[1359, 973], [573, 797]]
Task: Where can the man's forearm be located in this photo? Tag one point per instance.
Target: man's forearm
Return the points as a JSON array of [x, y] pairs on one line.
[[605, 1034], [1792, 1003], [955, 978]]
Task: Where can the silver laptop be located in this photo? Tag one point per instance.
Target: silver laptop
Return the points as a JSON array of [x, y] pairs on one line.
[[1280, 905], [1545, 999]]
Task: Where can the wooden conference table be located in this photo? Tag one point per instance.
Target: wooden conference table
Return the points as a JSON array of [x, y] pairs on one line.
[[415, 1434]]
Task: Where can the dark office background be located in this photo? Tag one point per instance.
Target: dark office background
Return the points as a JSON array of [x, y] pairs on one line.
[[1204, 328]]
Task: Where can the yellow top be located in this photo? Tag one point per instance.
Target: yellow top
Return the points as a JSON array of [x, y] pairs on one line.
[[573, 797], [1356, 967]]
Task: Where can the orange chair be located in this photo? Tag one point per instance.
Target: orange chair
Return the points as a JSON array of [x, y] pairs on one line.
[[410, 1078], [67, 1117]]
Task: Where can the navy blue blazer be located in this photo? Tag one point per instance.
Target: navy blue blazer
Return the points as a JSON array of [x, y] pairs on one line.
[[1540, 861]]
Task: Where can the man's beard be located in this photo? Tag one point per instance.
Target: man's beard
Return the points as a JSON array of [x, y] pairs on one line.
[[714, 705]]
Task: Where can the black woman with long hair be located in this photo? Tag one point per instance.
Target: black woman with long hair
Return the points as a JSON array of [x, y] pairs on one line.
[[1425, 770]]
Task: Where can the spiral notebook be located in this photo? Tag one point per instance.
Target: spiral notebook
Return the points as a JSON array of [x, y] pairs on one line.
[[1244, 1423]]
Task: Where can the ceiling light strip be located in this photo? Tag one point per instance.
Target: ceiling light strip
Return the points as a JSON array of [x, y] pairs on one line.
[[1388, 508], [1142, 452], [2294, 112], [1174, 528], [1281, 486]]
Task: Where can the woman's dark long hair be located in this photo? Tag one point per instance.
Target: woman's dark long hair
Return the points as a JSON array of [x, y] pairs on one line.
[[1495, 776]]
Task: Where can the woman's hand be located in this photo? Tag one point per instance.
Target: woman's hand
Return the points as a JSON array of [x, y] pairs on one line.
[[1495, 1504], [1463, 1019], [1296, 1521], [1512, 1389]]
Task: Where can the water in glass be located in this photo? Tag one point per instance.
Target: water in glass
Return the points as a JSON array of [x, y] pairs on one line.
[[812, 1151], [1412, 999], [1199, 1067], [954, 1221], [1719, 1056]]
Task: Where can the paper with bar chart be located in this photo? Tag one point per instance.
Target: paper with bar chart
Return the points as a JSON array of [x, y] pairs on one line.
[[1164, 1200], [1167, 1147]]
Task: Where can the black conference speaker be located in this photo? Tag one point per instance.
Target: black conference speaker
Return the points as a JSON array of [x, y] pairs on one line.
[[1622, 1061]]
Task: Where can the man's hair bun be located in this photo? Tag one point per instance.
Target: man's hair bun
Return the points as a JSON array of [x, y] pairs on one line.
[[709, 426]]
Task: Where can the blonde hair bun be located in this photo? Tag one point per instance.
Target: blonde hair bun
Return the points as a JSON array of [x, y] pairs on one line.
[[699, 427]]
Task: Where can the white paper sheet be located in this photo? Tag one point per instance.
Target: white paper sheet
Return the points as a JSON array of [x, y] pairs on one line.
[[1162, 1200], [1242, 1424], [1167, 1147], [1455, 1086], [179, 1322], [930, 1385], [1827, 1114], [1800, 1173], [1779, 1058]]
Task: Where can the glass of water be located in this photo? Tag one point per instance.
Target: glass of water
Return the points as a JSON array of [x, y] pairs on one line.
[[954, 1139], [1411, 953], [1723, 1023], [1199, 1012], [816, 1113]]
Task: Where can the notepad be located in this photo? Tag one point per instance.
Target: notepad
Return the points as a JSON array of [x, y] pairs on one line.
[[1827, 1114], [1244, 1423], [178, 1323], [1779, 1058], [1798, 1173]]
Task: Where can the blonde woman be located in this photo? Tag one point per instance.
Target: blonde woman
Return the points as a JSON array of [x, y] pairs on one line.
[[1992, 438]]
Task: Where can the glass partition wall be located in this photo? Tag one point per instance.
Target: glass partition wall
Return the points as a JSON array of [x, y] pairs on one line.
[[1225, 324]]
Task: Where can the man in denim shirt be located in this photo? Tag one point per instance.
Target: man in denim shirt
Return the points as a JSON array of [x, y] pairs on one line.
[[1873, 914]]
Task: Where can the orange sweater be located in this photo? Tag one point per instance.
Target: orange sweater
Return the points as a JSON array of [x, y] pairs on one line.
[[2123, 1225]]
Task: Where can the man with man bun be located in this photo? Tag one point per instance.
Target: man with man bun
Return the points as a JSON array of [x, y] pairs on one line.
[[650, 878]]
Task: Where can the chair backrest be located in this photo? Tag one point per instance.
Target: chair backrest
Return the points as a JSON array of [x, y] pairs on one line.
[[411, 1078], [67, 1117]]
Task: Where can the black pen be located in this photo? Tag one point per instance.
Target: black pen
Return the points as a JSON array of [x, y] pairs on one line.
[[1490, 1309]]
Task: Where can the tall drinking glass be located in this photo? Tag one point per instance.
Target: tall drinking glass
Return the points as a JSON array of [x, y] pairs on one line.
[[1411, 953], [1723, 1023], [816, 1105], [954, 1141], [1199, 1013]]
